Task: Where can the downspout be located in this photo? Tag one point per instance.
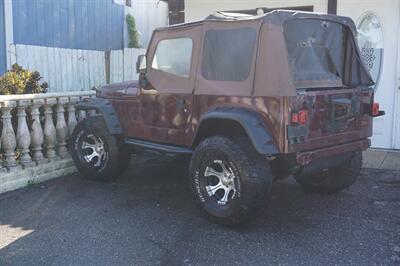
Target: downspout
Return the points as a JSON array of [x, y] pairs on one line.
[[332, 7]]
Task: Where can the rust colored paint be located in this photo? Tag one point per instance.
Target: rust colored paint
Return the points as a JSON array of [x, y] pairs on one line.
[[272, 109], [174, 118], [146, 113]]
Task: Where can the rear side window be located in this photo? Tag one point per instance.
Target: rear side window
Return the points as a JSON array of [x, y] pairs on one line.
[[228, 54], [174, 56]]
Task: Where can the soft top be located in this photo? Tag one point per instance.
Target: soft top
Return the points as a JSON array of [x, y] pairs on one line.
[[289, 51], [276, 17]]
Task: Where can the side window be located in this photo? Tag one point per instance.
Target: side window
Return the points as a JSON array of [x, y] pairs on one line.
[[228, 54], [174, 56]]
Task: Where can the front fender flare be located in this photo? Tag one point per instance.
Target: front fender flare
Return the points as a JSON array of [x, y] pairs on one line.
[[107, 111], [252, 123]]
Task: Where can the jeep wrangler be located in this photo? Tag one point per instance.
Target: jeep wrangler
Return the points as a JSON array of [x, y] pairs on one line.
[[249, 99]]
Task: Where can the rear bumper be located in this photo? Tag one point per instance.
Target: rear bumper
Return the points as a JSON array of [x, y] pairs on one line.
[[305, 158]]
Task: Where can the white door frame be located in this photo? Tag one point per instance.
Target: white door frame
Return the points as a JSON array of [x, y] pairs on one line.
[[396, 117]]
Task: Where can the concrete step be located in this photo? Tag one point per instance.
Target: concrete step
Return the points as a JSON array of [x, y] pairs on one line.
[[382, 159]]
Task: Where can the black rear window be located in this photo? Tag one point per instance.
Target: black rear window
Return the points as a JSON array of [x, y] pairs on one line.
[[323, 54]]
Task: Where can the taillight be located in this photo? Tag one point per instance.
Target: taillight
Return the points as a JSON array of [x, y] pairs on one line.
[[303, 117], [295, 118], [300, 117], [375, 109]]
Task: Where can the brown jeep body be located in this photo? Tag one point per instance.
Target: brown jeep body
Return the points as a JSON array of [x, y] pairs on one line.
[[285, 110]]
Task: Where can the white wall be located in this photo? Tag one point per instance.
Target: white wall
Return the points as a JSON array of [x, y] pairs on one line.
[[387, 93], [199, 9], [149, 15]]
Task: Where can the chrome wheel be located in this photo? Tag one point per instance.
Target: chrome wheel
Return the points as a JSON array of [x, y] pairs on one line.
[[93, 150], [220, 182]]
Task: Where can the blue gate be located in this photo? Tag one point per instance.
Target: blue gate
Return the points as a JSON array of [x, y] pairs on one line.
[[74, 24]]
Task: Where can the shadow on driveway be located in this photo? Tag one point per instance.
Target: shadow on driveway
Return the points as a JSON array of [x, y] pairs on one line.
[[148, 217]]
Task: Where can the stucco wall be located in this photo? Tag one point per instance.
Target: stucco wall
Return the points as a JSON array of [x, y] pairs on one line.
[[199, 9]]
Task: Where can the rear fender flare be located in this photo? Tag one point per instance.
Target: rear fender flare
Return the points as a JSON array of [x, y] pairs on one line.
[[250, 121]]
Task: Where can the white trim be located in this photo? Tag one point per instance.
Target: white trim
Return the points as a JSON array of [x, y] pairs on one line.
[[4, 98], [8, 25]]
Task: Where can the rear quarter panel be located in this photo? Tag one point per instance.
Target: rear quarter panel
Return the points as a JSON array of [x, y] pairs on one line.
[[272, 109]]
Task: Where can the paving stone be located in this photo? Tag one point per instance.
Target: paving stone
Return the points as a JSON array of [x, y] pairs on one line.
[[391, 161], [374, 158]]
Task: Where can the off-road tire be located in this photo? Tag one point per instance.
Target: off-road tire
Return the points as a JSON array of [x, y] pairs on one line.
[[253, 179], [334, 179], [117, 156]]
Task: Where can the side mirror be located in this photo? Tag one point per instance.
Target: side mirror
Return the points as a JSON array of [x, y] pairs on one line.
[[141, 64]]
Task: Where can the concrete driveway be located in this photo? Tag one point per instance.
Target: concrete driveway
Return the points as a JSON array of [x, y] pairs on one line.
[[148, 218]]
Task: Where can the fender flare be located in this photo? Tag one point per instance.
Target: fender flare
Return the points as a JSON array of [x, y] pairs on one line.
[[107, 111], [251, 122]]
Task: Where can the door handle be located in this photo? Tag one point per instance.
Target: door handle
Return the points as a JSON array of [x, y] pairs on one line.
[[182, 104]]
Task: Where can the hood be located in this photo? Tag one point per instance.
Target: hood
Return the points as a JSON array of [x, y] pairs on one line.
[[115, 89]]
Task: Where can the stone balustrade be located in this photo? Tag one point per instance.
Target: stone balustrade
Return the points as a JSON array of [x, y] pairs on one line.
[[34, 128]]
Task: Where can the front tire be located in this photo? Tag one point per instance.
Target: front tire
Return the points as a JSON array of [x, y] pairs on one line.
[[230, 180], [334, 179], [97, 154]]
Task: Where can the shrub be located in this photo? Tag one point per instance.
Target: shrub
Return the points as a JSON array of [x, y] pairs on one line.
[[133, 33], [22, 81]]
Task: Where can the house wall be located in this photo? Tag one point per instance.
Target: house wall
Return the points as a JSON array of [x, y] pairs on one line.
[[73, 24], [3, 62], [149, 15], [198, 10], [387, 93]]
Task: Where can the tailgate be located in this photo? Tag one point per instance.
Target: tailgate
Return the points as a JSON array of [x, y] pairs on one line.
[[322, 118]]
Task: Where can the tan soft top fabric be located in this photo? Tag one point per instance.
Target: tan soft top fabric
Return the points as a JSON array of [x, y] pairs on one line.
[[279, 17], [270, 74]]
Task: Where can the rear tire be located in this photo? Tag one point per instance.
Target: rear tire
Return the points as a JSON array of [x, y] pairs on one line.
[[334, 179], [230, 180], [97, 154]]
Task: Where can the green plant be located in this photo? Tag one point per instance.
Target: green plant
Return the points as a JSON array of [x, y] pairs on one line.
[[21, 81], [32, 183], [133, 33]]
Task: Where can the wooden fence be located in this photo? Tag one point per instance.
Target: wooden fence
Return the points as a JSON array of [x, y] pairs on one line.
[[68, 70]]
